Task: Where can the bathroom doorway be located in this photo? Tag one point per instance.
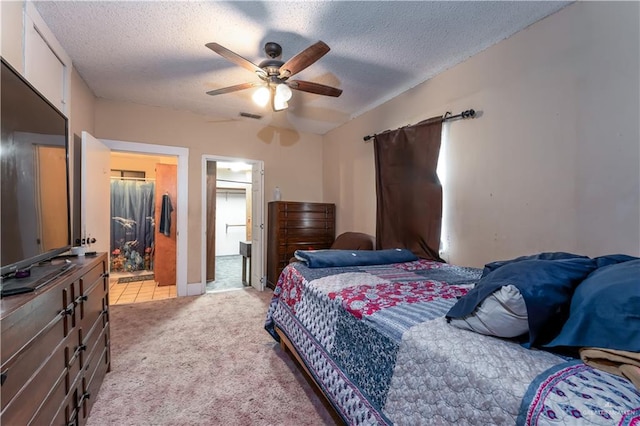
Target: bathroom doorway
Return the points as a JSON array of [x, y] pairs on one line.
[[143, 234]]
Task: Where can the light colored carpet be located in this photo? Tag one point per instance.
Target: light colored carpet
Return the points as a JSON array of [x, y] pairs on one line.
[[202, 360]]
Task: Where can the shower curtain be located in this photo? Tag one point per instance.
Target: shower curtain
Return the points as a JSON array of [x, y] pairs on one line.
[[132, 225]]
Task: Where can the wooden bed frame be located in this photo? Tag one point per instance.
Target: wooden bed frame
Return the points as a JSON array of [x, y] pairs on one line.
[[287, 347]]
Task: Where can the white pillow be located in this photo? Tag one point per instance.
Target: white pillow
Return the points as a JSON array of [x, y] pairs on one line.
[[502, 314]]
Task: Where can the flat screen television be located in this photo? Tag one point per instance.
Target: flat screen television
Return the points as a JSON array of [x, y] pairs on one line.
[[34, 176]]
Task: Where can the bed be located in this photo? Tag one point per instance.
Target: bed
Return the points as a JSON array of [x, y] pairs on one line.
[[375, 338]]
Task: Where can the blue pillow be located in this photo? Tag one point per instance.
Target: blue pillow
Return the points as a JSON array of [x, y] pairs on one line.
[[612, 259], [546, 287], [558, 255], [342, 258], [605, 310]]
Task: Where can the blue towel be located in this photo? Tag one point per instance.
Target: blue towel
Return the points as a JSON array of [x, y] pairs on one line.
[[165, 215], [340, 258]]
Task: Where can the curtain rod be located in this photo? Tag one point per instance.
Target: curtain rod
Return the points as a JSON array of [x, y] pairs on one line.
[[470, 113], [132, 178]]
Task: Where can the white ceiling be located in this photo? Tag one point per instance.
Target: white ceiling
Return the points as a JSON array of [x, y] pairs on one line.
[[154, 53]]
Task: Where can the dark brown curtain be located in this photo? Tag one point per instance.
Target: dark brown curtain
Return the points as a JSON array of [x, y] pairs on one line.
[[409, 194]]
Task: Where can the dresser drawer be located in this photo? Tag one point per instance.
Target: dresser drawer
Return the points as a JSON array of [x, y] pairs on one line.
[[91, 339], [30, 319], [292, 207], [95, 371], [308, 236], [21, 367], [47, 378], [92, 300], [67, 411], [304, 224], [290, 247], [51, 407], [298, 216]]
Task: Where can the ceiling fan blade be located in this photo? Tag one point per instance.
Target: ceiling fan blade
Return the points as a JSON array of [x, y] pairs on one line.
[[311, 87], [303, 59], [232, 88], [235, 58]]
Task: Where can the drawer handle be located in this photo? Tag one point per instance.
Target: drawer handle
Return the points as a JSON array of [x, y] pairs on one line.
[[84, 396], [105, 275], [67, 311], [82, 298], [73, 417], [76, 353]]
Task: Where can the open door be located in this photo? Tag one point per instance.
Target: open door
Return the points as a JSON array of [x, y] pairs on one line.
[[257, 227], [95, 198], [165, 230]]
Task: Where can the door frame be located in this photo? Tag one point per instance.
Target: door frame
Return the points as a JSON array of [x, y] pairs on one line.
[[183, 288], [203, 261]]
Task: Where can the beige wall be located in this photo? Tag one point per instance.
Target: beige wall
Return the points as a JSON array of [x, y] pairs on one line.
[[11, 22], [553, 160], [81, 118], [82, 108], [139, 162], [292, 161]]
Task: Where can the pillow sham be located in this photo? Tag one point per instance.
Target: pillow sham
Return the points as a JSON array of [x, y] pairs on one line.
[[502, 314], [605, 310], [333, 258], [556, 255], [612, 259], [545, 285]]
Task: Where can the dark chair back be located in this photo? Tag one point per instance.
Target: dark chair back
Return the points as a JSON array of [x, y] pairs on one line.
[[354, 241]]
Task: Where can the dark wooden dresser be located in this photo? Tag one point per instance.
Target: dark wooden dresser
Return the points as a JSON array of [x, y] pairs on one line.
[[296, 226], [55, 346]]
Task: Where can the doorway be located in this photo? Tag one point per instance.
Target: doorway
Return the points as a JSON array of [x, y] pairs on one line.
[[143, 242], [231, 220], [232, 211], [183, 288]]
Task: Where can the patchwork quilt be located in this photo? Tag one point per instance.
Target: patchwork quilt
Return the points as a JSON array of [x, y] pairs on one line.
[[376, 340]]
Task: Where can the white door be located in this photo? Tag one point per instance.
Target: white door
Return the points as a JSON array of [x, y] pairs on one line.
[[95, 194], [257, 228]]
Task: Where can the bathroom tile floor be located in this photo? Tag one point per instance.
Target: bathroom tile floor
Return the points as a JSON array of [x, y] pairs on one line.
[[137, 291]]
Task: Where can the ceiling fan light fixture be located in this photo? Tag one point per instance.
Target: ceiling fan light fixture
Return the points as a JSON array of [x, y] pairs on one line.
[[274, 74], [279, 104], [261, 96], [283, 92]]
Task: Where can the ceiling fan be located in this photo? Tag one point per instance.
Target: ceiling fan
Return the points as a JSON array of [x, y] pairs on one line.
[[275, 86]]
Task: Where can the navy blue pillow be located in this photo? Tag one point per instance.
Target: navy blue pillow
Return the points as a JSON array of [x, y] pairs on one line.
[[612, 259], [545, 285], [342, 258], [557, 255], [605, 310]]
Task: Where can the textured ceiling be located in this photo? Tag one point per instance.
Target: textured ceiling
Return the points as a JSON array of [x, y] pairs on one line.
[[154, 53]]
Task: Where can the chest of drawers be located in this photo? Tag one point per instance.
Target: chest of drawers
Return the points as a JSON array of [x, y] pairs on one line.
[[55, 348], [296, 226]]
